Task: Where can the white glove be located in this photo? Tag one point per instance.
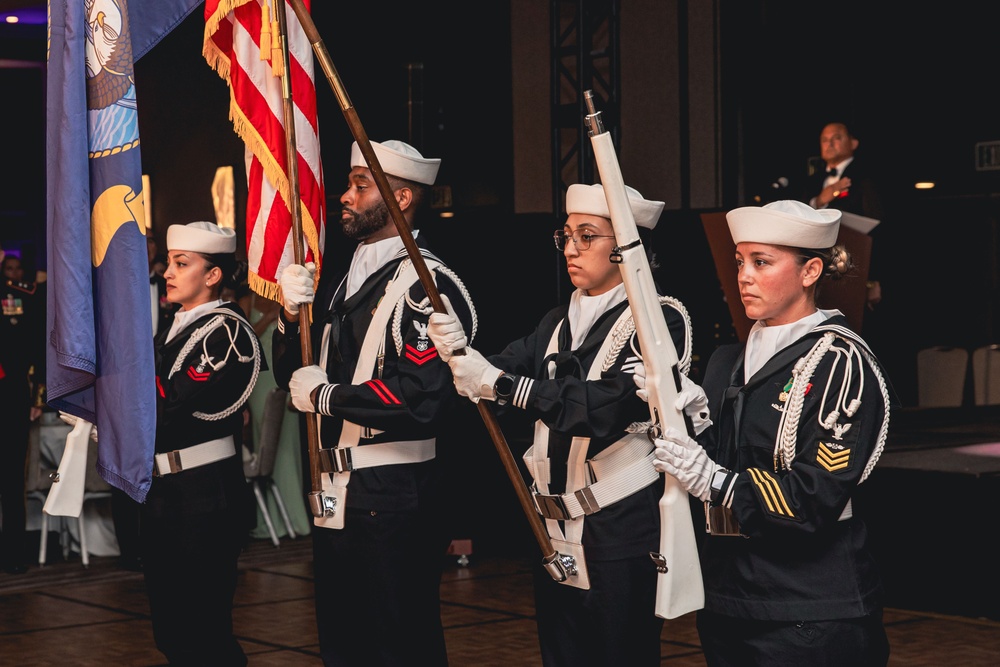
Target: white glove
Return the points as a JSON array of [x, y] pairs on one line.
[[679, 456], [691, 399], [474, 376], [639, 377], [446, 332], [693, 402], [296, 282], [73, 419], [301, 386]]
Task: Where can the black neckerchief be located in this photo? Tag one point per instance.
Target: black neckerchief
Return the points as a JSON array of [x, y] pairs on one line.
[[568, 362]]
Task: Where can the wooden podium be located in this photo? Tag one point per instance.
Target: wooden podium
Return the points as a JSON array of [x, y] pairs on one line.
[[848, 295]]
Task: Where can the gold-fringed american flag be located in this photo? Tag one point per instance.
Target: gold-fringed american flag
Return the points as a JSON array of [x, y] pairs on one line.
[[242, 44]]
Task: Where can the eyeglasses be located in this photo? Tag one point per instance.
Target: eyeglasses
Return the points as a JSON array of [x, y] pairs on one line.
[[582, 240]]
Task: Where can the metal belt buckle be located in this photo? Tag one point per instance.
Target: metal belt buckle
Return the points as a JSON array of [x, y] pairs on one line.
[[321, 504], [336, 459], [551, 507], [173, 464], [587, 500], [719, 520]]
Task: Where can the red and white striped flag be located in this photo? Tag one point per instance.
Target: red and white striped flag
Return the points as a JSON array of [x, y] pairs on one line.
[[241, 44]]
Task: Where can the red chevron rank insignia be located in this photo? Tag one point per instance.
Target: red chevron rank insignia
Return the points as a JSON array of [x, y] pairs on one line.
[[198, 376], [383, 392], [420, 357]]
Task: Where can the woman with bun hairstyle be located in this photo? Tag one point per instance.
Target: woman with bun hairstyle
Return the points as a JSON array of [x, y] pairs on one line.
[[800, 415], [199, 510]]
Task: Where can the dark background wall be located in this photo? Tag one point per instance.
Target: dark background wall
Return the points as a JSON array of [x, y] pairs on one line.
[[913, 85], [720, 99]]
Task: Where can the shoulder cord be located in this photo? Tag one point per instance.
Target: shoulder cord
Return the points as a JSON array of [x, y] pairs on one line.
[[785, 444], [883, 433], [683, 363], [424, 306], [788, 425], [621, 334], [848, 408], [201, 335], [232, 348], [196, 336]]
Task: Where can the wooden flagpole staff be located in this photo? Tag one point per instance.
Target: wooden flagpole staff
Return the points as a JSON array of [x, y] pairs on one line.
[[298, 252], [556, 564]]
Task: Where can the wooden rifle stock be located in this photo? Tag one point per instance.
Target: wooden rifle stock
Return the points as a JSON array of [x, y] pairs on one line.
[[679, 587], [552, 561]]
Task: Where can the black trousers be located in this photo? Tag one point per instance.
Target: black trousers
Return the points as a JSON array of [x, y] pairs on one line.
[[612, 623], [378, 590], [125, 515], [738, 642], [190, 568]]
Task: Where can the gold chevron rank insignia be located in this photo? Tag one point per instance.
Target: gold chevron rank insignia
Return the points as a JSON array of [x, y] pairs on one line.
[[767, 487], [833, 457]]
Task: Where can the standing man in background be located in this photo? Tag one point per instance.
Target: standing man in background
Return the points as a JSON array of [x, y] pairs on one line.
[[846, 184], [162, 310], [22, 384]]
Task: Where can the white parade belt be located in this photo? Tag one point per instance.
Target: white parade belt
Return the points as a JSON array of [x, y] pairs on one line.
[[345, 459], [194, 456], [618, 473]]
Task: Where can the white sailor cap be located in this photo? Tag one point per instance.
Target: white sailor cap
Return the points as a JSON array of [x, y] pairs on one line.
[[786, 222], [201, 236], [399, 159], [591, 200]]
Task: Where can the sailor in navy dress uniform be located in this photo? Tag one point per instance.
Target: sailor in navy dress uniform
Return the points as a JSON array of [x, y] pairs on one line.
[[382, 396], [22, 381], [573, 376], [199, 510], [800, 418]]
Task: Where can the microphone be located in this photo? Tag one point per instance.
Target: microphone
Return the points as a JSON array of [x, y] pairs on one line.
[[780, 183]]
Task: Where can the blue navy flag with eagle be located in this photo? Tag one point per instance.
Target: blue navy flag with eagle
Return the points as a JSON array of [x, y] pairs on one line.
[[100, 340]]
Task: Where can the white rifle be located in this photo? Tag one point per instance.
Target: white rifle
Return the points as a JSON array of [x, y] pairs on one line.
[[679, 587]]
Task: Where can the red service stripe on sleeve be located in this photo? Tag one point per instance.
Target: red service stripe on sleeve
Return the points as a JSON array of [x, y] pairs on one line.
[[159, 388], [418, 357], [383, 392], [196, 376]]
